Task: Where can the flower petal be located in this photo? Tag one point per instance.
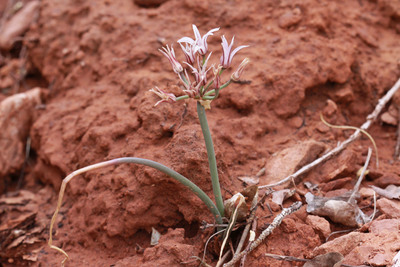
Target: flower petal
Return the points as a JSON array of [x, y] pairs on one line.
[[236, 50], [187, 40]]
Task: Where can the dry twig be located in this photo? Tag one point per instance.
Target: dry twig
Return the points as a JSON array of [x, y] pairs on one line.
[[370, 119], [253, 229], [249, 223], [364, 169], [275, 223]]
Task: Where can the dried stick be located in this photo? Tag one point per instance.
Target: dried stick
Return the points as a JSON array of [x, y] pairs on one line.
[[364, 169], [370, 119], [275, 223], [254, 229], [249, 223]]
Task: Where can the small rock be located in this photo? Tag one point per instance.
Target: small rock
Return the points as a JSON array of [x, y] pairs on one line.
[[15, 121], [290, 18], [322, 127], [366, 192], [18, 24], [376, 248], [320, 224], [387, 179], [296, 122], [391, 225], [291, 159], [330, 108], [389, 207], [389, 119], [371, 255], [367, 37], [345, 95], [343, 244], [343, 165], [336, 184]]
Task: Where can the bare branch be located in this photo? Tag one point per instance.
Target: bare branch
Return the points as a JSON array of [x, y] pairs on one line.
[[370, 119]]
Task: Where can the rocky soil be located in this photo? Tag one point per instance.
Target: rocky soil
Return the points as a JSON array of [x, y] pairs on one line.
[[75, 78]]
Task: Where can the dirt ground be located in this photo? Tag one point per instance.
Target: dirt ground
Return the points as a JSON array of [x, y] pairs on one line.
[[94, 62]]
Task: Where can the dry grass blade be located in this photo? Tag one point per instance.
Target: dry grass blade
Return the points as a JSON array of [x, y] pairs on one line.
[[346, 127]]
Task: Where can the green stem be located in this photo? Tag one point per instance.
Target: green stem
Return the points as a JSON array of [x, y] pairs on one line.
[[211, 157], [173, 174], [182, 97], [221, 87]]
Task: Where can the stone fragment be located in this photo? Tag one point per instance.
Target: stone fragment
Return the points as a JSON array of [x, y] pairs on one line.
[[389, 119], [389, 207], [289, 160], [18, 24], [344, 95], [390, 225], [290, 18], [376, 248], [16, 114], [367, 36], [344, 165], [366, 192], [296, 122], [336, 184], [319, 224], [322, 127], [387, 179], [343, 244], [330, 108]]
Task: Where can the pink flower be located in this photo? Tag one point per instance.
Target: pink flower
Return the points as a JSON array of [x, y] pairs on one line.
[[200, 74], [217, 76], [236, 75], [190, 53], [227, 53], [165, 97], [200, 44], [170, 54]]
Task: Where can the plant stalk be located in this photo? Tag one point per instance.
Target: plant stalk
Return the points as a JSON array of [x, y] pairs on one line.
[[173, 174], [211, 157]]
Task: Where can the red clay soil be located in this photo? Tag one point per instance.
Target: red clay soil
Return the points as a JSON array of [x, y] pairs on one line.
[[96, 60]]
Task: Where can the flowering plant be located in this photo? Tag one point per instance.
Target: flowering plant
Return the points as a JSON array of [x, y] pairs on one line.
[[203, 89]]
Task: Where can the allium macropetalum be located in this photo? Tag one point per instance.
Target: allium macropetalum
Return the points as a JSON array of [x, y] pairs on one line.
[[200, 73], [190, 53], [165, 97], [227, 53], [204, 87], [170, 54], [200, 44]]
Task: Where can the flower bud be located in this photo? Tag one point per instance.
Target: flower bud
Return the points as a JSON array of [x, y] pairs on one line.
[[170, 54], [236, 75]]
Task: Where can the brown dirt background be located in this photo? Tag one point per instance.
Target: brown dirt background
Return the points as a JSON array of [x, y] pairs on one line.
[[96, 61]]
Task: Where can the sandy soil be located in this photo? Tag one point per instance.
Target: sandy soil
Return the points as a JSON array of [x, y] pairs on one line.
[[95, 61]]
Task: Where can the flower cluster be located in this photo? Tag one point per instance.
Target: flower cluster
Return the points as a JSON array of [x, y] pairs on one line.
[[206, 85]]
